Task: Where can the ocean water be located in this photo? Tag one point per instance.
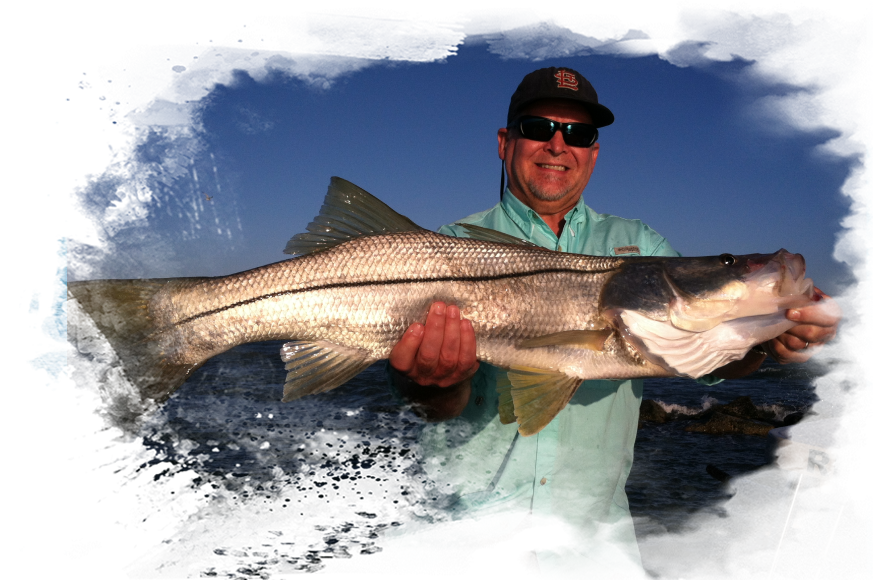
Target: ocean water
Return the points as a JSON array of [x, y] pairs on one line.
[[301, 486]]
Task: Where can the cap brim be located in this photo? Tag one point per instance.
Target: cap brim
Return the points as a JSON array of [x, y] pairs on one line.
[[600, 115]]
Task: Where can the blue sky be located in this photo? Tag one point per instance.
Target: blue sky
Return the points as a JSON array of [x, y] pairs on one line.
[[738, 129]]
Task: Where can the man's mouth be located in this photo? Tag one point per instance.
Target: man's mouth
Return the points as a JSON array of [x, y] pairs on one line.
[[555, 167]]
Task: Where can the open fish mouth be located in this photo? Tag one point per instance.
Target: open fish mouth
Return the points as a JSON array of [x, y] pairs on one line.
[[751, 285], [775, 282]]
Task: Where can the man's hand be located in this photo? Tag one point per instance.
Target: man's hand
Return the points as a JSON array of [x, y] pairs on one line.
[[440, 353], [818, 325]]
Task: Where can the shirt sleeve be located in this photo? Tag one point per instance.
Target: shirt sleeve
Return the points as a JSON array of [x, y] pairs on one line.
[[655, 243], [453, 230]]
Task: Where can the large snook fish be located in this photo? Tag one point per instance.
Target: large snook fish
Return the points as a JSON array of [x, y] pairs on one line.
[[365, 273]]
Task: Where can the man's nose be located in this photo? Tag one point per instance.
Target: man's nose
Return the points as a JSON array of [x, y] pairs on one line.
[[556, 143]]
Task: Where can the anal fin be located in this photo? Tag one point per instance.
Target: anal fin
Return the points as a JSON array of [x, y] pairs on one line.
[[316, 367]]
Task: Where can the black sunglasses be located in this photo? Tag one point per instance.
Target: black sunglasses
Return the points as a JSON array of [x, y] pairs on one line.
[[542, 129]]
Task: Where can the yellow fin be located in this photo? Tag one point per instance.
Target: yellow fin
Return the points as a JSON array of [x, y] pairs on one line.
[[538, 395], [505, 408], [590, 339]]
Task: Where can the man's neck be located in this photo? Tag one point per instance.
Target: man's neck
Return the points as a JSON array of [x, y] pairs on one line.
[[552, 213], [556, 222]]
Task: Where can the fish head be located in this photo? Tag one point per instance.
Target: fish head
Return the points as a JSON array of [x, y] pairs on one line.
[[695, 305], [697, 294], [775, 282]]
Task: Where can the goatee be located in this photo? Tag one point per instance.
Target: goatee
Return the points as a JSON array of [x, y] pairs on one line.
[[541, 195]]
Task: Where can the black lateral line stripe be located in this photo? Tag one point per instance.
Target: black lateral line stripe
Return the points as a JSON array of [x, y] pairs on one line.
[[388, 283]]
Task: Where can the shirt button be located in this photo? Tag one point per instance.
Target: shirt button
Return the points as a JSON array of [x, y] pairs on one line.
[[543, 481]]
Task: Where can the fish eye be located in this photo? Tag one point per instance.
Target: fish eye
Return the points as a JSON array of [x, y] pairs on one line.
[[727, 259]]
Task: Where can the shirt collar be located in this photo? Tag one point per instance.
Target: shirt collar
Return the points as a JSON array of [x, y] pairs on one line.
[[525, 218]]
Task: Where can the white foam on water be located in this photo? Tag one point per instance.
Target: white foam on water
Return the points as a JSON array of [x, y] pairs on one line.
[[705, 403], [821, 395], [779, 411]]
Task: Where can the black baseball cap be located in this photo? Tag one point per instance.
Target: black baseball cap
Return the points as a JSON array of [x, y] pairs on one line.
[[558, 83]]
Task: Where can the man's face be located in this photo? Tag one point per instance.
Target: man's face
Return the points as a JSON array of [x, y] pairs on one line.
[[548, 176]]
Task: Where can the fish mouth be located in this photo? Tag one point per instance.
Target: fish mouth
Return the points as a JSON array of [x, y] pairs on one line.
[[764, 285], [781, 276], [771, 283], [700, 333]]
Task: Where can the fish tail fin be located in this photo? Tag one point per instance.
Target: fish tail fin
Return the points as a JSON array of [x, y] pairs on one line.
[[120, 311]]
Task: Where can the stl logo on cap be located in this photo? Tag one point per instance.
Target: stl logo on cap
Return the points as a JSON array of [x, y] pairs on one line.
[[567, 80]]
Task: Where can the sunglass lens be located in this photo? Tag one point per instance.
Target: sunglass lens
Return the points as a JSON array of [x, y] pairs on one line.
[[575, 134], [579, 135], [538, 129]]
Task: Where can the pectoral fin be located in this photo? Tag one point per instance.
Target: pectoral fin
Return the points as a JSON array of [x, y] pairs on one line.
[[590, 339], [537, 395], [316, 367]]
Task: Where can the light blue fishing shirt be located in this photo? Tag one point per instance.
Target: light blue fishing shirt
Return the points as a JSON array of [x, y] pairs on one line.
[[576, 467]]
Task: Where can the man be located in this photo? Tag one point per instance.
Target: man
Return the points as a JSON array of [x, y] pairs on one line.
[[576, 467]]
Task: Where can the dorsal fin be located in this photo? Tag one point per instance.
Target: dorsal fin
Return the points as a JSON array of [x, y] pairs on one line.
[[489, 235], [348, 212]]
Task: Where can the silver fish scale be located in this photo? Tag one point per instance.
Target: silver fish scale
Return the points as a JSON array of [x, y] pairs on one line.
[[363, 294], [344, 305]]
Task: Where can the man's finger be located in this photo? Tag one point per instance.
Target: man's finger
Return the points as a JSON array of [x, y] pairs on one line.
[[467, 350], [404, 352], [451, 341], [783, 353], [432, 342], [792, 341], [826, 313]]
